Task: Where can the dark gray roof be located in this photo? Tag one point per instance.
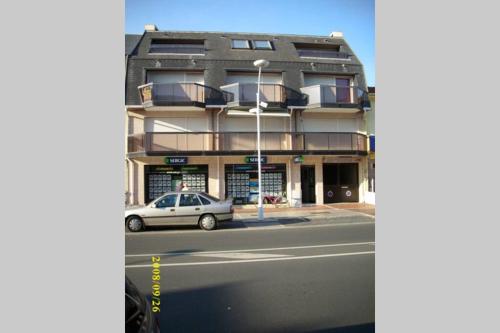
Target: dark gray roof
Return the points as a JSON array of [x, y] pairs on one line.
[[131, 42], [220, 58]]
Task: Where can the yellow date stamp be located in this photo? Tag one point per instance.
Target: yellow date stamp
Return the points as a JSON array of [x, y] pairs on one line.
[[155, 287]]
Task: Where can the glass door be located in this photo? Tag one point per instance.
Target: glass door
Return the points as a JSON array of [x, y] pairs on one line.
[[343, 90]]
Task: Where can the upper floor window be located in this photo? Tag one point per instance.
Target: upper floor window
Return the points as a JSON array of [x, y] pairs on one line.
[[177, 46], [262, 45], [240, 44], [320, 51]]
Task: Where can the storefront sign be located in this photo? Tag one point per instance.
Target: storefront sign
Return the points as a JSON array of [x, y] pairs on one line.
[[372, 155], [176, 160], [298, 159], [254, 159]]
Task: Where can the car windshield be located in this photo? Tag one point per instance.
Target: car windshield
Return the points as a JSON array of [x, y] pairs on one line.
[[210, 197]]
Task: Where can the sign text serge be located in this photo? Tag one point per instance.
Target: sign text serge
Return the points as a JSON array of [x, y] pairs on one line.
[[176, 160]]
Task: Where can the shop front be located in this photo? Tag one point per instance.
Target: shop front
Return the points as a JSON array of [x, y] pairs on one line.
[[242, 183], [159, 179]]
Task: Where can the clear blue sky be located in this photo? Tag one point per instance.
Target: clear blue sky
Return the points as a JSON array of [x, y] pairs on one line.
[[355, 18]]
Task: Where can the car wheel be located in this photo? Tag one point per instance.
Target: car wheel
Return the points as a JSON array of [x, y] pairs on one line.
[[135, 224], [208, 222]]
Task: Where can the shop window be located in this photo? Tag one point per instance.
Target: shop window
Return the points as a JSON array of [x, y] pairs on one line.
[[348, 174], [167, 201], [189, 200]]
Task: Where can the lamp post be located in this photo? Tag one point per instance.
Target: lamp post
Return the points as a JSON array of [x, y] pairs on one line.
[[260, 64]]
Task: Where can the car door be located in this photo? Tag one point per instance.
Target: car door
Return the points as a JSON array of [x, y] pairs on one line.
[[163, 211], [189, 209]]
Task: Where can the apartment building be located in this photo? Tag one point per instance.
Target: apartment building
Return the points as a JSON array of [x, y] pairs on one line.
[[188, 96]]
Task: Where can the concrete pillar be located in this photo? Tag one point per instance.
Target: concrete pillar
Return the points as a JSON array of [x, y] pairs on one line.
[[295, 180], [213, 177], [318, 174], [140, 182]]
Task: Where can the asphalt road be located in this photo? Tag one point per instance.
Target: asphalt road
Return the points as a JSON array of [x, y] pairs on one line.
[[295, 277]]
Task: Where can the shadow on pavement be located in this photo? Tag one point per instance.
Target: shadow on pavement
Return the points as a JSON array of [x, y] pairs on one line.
[[362, 328], [236, 307]]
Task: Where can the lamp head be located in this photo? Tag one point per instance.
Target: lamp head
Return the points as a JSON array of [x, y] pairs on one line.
[[261, 63]]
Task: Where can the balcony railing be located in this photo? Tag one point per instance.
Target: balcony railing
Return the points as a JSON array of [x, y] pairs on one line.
[[335, 96], [329, 141], [244, 95], [311, 53], [180, 94], [213, 143], [247, 141]]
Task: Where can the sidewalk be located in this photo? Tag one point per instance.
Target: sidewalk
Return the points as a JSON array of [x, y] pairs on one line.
[[311, 212]]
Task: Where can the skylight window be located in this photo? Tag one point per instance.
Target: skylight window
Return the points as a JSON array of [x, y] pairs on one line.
[[262, 45], [240, 44]]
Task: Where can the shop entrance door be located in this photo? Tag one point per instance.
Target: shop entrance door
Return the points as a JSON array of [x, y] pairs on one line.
[[307, 183], [340, 182]]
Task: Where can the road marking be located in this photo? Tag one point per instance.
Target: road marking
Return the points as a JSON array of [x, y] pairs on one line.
[[248, 250], [253, 260], [264, 228], [241, 255]]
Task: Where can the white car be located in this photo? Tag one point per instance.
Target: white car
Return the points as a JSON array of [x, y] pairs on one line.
[[180, 208]]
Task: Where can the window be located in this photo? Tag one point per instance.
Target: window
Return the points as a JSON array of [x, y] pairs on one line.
[[177, 46], [167, 201], [262, 45], [189, 200], [211, 197], [240, 44], [320, 51], [204, 200]]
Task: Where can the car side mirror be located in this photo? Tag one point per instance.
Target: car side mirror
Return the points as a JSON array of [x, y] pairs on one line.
[[153, 205]]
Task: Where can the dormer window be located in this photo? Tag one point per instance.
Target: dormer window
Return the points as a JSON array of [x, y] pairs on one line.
[[177, 46], [240, 44], [329, 51]]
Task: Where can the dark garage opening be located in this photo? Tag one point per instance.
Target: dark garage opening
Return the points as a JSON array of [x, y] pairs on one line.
[[340, 182]]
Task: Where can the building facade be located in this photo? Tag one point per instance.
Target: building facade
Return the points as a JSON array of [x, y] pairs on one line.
[[188, 96]]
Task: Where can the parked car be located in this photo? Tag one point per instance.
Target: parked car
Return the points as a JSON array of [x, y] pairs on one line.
[[180, 208], [138, 315]]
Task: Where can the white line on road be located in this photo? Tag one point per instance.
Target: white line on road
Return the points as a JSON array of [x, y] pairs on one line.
[[263, 228], [247, 250], [242, 255], [254, 260]]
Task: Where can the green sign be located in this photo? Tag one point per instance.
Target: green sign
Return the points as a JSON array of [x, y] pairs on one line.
[[254, 159], [176, 160], [298, 159]]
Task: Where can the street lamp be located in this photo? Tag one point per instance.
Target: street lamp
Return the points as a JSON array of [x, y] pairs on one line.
[[260, 64]]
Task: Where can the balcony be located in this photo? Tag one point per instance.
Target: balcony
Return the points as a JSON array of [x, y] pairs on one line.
[[179, 96], [243, 143], [330, 141], [243, 96], [336, 98]]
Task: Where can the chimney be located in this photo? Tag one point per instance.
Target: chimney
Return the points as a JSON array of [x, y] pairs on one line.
[[150, 27], [337, 34]]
